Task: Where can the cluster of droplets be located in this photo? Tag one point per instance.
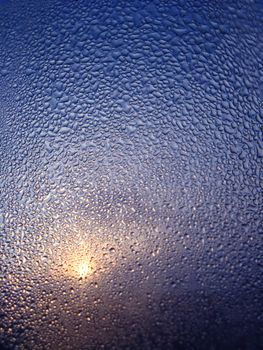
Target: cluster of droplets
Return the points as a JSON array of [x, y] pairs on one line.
[[131, 142]]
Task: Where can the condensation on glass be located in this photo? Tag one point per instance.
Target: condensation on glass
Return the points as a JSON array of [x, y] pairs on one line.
[[130, 194]]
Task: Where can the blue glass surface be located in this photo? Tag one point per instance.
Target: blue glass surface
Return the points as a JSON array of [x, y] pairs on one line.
[[131, 174]]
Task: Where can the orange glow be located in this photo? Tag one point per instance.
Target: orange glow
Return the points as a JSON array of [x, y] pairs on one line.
[[79, 265], [83, 269]]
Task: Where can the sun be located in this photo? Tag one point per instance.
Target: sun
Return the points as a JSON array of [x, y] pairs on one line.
[[78, 265], [83, 269]]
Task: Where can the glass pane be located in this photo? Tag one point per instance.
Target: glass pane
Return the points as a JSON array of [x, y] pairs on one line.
[[131, 158]]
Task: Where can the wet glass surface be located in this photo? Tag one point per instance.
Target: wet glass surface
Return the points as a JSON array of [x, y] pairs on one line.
[[130, 175]]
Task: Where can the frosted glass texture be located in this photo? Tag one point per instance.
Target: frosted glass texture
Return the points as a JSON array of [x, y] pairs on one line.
[[130, 175]]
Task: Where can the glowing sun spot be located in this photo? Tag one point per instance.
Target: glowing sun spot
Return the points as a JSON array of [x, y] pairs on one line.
[[83, 269]]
